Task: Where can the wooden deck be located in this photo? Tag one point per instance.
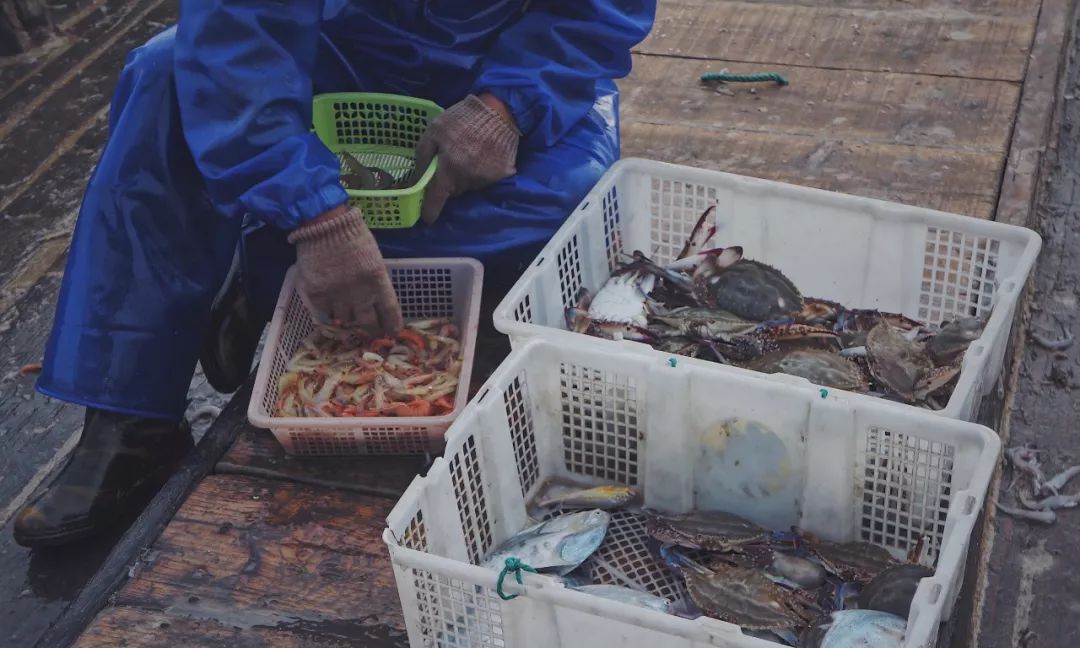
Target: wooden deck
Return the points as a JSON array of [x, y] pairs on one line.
[[938, 103]]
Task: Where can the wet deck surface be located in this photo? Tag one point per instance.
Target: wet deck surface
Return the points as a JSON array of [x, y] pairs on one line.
[[908, 100]]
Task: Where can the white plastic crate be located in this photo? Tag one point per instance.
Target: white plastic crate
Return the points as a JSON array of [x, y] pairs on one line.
[[844, 467], [426, 288], [861, 252]]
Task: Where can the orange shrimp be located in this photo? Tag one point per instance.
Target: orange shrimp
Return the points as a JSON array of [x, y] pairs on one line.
[[417, 407], [378, 345], [443, 405], [413, 338], [31, 368]]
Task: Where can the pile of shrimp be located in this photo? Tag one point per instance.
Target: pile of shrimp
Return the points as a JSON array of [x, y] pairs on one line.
[[341, 372]]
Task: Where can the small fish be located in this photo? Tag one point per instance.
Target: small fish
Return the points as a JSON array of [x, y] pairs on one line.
[[1058, 481], [559, 544], [1058, 501], [855, 629], [1045, 517], [601, 497], [628, 596]]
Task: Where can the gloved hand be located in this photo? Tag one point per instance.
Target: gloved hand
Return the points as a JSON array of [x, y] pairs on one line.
[[476, 147], [342, 273]]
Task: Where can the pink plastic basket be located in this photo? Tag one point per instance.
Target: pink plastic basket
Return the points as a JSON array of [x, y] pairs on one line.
[[426, 288]]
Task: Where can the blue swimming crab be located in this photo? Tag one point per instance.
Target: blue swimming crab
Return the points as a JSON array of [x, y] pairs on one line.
[[851, 561], [902, 365], [740, 595], [709, 531]]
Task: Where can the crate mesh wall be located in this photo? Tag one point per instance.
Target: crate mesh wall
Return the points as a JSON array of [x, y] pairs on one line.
[[569, 262], [522, 433], [676, 207], [612, 219], [523, 311], [370, 122], [454, 613], [959, 275], [905, 490], [599, 423], [424, 292], [624, 559], [472, 503]]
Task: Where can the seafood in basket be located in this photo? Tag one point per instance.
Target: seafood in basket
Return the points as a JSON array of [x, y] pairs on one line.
[[788, 586], [717, 304], [342, 372], [361, 177]]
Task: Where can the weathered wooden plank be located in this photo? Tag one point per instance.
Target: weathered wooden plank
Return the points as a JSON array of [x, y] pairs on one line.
[[257, 453], [980, 7], [249, 552], [921, 41], [959, 182], [137, 628], [97, 34], [37, 140], [1034, 117], [887, 108]]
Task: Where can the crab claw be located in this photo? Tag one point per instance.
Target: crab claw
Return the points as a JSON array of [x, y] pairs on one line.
[[700, 235], [621, 331], [934, 380], [724, 258]]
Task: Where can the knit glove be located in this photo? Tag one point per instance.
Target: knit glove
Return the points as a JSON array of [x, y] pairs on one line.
[[342, 274], [476, 147]]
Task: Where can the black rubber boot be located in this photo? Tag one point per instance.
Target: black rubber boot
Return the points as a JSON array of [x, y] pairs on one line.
[[117, 467], [228, 349]]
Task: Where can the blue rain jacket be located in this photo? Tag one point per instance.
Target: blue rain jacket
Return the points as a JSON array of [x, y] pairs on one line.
[[209, 162]]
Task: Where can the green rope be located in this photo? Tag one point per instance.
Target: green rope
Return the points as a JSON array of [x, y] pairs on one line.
[[744, 78], [512, 565]]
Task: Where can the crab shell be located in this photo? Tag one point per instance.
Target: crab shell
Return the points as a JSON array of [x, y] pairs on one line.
[[712, 531], [748, 289], [851, 561], [816, 365], [743, 596], [900, 365]]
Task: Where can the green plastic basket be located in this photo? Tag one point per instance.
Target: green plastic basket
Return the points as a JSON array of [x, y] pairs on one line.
[[379, 130]]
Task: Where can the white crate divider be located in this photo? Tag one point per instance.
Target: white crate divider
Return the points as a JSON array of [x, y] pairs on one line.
[[861, 252], [426, 288], [692, 437]]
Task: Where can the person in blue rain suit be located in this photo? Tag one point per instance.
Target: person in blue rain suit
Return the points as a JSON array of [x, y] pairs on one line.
[[211, 185]]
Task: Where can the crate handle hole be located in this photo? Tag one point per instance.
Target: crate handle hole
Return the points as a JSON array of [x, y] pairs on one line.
[[969, 505], [539, 262], [583, 207], [481, 395]]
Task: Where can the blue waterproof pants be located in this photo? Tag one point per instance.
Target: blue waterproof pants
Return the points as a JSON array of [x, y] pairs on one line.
[[150, 252]]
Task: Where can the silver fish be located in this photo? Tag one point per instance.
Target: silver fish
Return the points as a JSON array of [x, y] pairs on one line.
[[604, 497], [559, 544], [855, 629], [628, 596]]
